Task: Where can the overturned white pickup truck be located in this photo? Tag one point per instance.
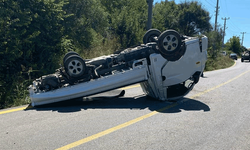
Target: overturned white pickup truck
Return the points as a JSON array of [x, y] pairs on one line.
[[167, 66]]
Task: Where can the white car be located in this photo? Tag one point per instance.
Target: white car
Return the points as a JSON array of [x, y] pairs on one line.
[[167, 66]]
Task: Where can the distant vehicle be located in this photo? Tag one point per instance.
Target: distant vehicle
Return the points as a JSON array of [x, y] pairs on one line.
[[245, 56], [233, 56]]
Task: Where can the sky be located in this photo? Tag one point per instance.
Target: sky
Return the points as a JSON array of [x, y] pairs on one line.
[[237, 11]]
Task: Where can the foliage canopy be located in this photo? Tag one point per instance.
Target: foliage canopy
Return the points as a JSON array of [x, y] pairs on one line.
[[188, 18], [234, 45]]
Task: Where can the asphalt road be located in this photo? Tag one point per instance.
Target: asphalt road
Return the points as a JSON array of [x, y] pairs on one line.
[[214, 115]]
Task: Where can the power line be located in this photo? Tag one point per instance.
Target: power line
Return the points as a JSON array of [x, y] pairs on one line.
[[209, 3], [226, 6], [232, 31], [233, 25]]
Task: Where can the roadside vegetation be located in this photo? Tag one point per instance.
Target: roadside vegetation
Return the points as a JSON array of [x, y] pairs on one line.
[[220, 62], [35, 35]]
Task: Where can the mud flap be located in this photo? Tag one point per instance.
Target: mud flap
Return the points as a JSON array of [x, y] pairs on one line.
[[196, 77]]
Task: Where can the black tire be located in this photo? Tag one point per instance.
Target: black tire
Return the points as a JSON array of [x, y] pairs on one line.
[[170, 45], [75, 66], [151, 35], [242, 59], [69, 54]]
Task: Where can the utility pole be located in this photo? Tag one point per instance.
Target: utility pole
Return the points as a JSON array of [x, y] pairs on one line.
[[224, 32], [215, 27], [217, 11], [242, 37], [150, 7]]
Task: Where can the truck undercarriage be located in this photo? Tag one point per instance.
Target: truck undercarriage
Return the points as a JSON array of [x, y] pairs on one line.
[[167, 66]]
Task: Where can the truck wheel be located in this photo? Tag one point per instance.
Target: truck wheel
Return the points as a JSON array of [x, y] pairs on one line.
[[170, 45], [75, 66], [151, 36], [69, 54]]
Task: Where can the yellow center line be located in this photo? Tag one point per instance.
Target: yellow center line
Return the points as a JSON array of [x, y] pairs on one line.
[[118, 127], [211, 89], [113, 129]]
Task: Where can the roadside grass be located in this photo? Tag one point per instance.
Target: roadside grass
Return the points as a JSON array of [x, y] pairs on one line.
[[220, 62]]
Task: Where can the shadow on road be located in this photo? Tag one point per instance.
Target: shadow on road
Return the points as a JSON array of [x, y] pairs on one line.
[[187, 105], [115, 102]]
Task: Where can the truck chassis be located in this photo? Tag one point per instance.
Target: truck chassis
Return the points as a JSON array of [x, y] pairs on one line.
[[167, 66]]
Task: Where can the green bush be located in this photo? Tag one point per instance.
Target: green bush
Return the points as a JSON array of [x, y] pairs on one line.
[[31, 35], [219, 62]]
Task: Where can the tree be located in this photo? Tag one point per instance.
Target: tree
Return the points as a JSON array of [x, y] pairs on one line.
[[85, 19], [233, 45], [215, 42], [192, 18], [188, 18], [127, 20], [165, 16], [31, 35]]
